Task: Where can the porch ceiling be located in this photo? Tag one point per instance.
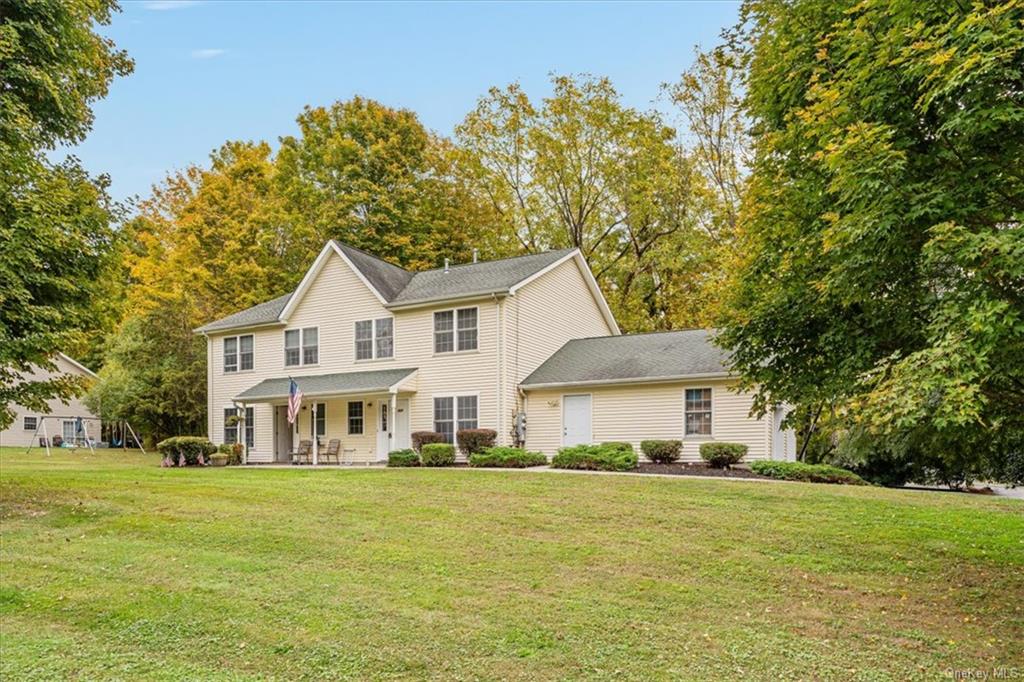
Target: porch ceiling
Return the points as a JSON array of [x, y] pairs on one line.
[[345, 383]]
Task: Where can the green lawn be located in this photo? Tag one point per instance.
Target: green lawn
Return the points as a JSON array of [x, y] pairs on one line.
[[115, 568]]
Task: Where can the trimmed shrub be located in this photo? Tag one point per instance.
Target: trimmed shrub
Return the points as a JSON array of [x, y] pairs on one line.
[[185, 451], [618, 445], [472, 441], [403, 458], [509, 458], [225, 448], [722, 455], [812, 473], [603, 457], [437, 454], [662, 451], [421, 438]]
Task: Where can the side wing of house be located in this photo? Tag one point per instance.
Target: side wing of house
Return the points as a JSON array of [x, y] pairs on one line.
[[541, 316], [60, 418]]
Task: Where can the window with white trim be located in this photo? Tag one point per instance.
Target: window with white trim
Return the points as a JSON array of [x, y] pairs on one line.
[[301, 346], [30, 424], [250, 427], [456, 330], [453, 414], [355, 418], [375, 339], [697, 411], [238, 353], [230, 425], [319, 424]]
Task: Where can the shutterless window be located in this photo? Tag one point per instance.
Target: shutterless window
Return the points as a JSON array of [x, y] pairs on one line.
[[292, 353], [230, 425], [444, 418], [310, 346], [231, 354], [444, 331], [467, 328], [698, 411], [30, 423], [319, 427], [375, 339], [250, 427], [245, 352], [355, 418], [466, 405]]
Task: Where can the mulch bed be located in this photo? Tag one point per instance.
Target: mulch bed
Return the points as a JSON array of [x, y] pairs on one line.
[[695, 470]]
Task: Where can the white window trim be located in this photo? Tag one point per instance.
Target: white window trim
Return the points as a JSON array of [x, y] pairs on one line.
[[24, 423], [302, 354], [348, 418], [455, 410], [455, 333], [561, 425], [373, 340], [224, 425], [249, 424], [238, 354], [699, 436]]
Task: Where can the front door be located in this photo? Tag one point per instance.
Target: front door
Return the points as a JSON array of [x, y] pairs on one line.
[[383, 429], [282, 435], [402, 441], [576, 420]]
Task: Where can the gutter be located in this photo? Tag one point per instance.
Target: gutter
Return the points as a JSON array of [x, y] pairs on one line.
[[423, 303], [629, 380]]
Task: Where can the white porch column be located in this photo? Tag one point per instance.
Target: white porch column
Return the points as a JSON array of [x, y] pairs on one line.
[[245, 443], [316, 442], [392, 421]]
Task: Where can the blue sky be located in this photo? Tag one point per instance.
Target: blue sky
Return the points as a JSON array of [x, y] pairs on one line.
[[206, 72]]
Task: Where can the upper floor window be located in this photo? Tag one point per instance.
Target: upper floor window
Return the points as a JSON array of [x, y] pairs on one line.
[[698, 412], [238, 353], [301, 346], [455, 330], [375, 339]]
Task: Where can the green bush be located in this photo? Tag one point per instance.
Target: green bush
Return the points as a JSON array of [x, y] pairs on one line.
[[662, 451], [437, 454], [618, 445], [185, 450], [421, 438], [472, 441], [403, 458], [603, 457], [812, 473], [510, 458], [722, 455], [225, 448]]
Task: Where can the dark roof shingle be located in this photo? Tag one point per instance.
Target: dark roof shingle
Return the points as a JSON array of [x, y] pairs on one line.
[[326, 384], [614, 359], [262, 313]]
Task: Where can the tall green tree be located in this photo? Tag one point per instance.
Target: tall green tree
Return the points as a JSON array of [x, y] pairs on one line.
[[55, 220], [583, 170], [883, 264]]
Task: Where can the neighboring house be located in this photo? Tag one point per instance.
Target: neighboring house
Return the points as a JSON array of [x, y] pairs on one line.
[[380, 352], [61, 419]]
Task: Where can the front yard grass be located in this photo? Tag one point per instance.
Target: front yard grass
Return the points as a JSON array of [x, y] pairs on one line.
[[111, 567]]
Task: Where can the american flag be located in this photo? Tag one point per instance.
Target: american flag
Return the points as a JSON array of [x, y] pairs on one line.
[[294, 400]]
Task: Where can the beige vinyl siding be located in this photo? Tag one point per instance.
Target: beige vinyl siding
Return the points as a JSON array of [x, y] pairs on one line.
[[639, 412], [17, 436], [333, 303], [540, 318]]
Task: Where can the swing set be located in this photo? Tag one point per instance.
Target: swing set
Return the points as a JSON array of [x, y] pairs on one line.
[[119, 432]]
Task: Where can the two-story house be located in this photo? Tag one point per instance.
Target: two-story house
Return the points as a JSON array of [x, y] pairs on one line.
[[380, 352]]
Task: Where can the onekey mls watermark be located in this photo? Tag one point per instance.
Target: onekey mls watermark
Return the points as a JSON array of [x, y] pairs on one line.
[[994, 673]]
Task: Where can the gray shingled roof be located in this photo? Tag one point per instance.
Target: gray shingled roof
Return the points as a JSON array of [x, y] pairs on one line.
[[326, 384], [386, 278], [400, 287], [262, 313], [470, 279], [620, 359]]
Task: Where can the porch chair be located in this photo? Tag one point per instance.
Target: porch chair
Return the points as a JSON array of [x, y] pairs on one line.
[[333, 450], [304, 454]]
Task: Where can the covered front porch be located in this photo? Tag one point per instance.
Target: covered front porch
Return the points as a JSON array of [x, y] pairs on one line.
[[344, 419]]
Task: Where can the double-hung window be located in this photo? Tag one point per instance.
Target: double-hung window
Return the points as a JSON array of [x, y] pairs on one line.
[[375, 339], [238, 353], [301, 347], [453, 414], [230, 425], [697, 411], [250, 427], [318, 425], [455, 330], [355, 418], [30, 423]]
